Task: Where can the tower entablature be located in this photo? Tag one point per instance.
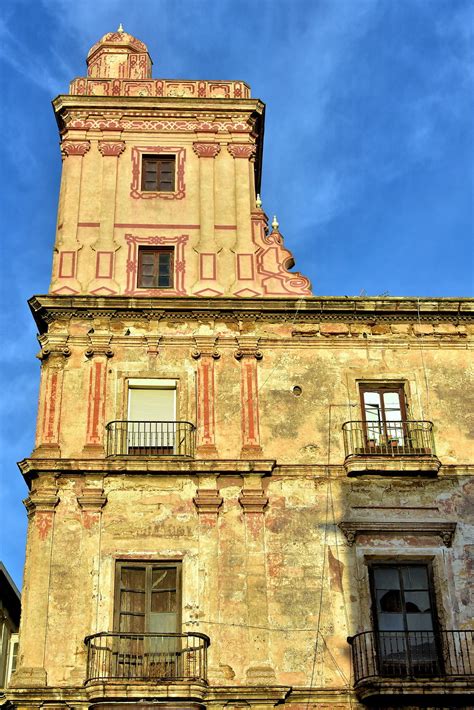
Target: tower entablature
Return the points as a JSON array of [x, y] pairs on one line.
[[160, 183]]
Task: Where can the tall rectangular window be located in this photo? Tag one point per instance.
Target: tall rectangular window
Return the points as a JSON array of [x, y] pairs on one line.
[[148, 598], [158, 173], [403, 604], [384, 413], [151, 427], [155, 267]]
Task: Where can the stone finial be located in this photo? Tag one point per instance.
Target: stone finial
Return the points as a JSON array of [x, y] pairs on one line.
[[275, 224], [120, 28], [258, 202]]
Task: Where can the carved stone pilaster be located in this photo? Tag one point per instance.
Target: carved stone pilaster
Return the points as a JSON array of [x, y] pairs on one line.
[[248, 354], [206, 354], [99, 344], [44, 501]]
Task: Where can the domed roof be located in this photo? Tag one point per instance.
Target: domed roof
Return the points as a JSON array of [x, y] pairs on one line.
[[117, 39]]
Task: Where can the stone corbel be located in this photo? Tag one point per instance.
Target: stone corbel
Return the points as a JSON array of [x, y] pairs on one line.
[[53, 345], [111, 148], [252, 497], [74, 148]]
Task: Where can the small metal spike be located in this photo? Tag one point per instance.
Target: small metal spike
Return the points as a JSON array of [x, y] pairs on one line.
[[258, 202], [275, 224]]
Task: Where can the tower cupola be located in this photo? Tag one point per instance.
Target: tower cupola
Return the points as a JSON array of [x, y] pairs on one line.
[[119, 55]]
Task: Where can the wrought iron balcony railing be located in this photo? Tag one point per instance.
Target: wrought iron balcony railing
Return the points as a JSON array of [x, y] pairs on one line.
[[406, 438], [132, 438], [412, 654], [163, 657]]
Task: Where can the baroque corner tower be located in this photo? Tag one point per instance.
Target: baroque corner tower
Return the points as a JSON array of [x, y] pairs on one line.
[[162, 171]]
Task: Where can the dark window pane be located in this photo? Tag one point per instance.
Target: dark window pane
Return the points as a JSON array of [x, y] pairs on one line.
[[415, 577], [386, 578], [417, 602], [389, 601]]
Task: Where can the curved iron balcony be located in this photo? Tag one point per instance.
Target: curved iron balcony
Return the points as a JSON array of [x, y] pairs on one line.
[[143, 657], [409, 655], [150, 438], [402, 438]]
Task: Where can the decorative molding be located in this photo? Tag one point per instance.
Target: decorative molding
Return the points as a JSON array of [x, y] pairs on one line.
[[135, 187], [205, 347], [248, 347], [444, 530], [242, 150], [53, 344], [74, 148], [92, 500], [134, 242], [206, 150], [253, 501], [146, 86], [208, 501], [41, 502], [115, 148]]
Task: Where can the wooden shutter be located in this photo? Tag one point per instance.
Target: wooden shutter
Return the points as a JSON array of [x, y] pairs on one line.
[[158, 173], [155, 268]]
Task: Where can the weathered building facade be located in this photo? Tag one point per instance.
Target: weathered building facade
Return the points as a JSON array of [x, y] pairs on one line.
[[231, 476]]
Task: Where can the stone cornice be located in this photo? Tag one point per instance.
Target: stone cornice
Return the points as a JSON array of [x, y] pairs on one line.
[[49, 308], [32, 467]]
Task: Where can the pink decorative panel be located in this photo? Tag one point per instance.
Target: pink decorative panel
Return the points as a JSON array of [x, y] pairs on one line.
[[67, 264], [207, 267], [96, 403], [104, 264], [245, 270]]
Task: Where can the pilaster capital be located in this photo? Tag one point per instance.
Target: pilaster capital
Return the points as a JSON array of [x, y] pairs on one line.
[[53, 345], [111, 148], [253, 498], [247, 347], [242, 150], [92, 500], [206, 150], [208, 501], [44, 501], [99, 345], [205, 347], [74, 148]]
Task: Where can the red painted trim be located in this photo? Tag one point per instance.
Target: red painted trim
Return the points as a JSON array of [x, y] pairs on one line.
[[201, 267], [225, 226], [135, 187], [88, 224], [156, 226], [71, 272], [249, 259], [179, 264], [101, 255]]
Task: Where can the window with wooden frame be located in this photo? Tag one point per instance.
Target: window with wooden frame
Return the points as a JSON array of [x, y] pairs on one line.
[[148, 620], [155, 267], [148, 597], [384, 414], [158, 173], [406, 629]]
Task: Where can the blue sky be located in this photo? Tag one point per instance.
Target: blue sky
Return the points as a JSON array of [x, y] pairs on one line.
[[367, 159]]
